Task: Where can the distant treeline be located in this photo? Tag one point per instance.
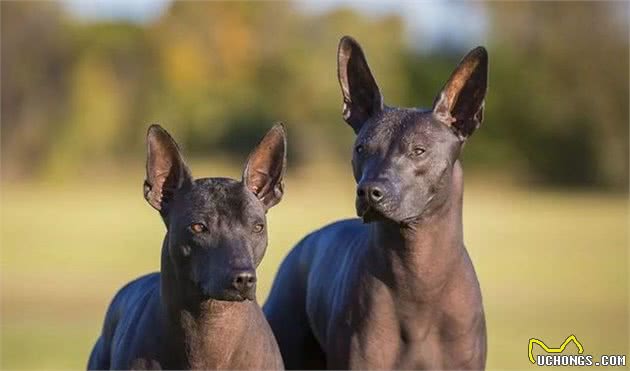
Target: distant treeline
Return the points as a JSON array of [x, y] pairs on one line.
[[218, 74]]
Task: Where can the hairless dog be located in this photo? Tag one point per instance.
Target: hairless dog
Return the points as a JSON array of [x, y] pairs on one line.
[[398, 290], [200, 311]]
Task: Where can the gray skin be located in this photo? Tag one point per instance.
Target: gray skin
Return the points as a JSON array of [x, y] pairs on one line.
[[397, 289], [200, 311]]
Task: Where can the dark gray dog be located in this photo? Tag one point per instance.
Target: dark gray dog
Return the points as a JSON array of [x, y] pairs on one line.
[[200, 311], [401, 291]]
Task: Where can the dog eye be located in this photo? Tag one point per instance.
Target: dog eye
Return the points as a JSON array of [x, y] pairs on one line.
[[417, 151], [259, 228], [359, 148], [198, 228]]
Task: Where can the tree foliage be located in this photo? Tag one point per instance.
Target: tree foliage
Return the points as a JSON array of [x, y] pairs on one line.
[[218, 74]]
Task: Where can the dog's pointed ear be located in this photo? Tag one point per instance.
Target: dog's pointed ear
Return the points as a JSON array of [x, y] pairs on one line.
[[166, 170], [266, 165], [460, 103], [361, 95]]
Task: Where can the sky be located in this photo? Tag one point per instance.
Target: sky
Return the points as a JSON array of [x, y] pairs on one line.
[[428, 23]]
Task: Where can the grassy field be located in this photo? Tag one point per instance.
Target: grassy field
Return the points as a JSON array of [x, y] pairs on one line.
[[550, 264]]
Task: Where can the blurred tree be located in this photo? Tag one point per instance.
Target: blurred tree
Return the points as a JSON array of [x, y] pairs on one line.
[[36, 58], [559, 86], [113, 71], [218, 74]]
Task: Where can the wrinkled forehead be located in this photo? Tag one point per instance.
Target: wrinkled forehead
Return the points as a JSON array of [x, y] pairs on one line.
[[402, 124], [221, 200]]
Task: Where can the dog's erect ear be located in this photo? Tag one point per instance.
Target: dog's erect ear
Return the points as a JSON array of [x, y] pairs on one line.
[[166, 170], [361, 96], [460, 103], [264, 172]]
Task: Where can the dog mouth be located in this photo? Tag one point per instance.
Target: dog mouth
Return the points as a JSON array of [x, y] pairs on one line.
[[370, 214], [238, 296], [228, 295]]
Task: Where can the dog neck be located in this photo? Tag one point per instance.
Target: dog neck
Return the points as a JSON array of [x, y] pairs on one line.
[[199, 334], [421, 256]]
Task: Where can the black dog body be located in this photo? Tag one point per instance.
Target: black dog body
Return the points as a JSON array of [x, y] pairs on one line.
[[372, 300], [399, 292], [200, 311], [136, 334]]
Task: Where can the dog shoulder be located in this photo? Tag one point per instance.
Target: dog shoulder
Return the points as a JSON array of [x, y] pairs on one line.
[[129, 295]]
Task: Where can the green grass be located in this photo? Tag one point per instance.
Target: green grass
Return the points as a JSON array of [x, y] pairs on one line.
[[550, 263]]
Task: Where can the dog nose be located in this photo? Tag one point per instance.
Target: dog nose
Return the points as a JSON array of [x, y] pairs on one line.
[[244, 281], [373, 192]]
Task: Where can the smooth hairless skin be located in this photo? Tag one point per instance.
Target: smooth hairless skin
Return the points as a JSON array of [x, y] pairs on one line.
[[397, 289], [200, 311]]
